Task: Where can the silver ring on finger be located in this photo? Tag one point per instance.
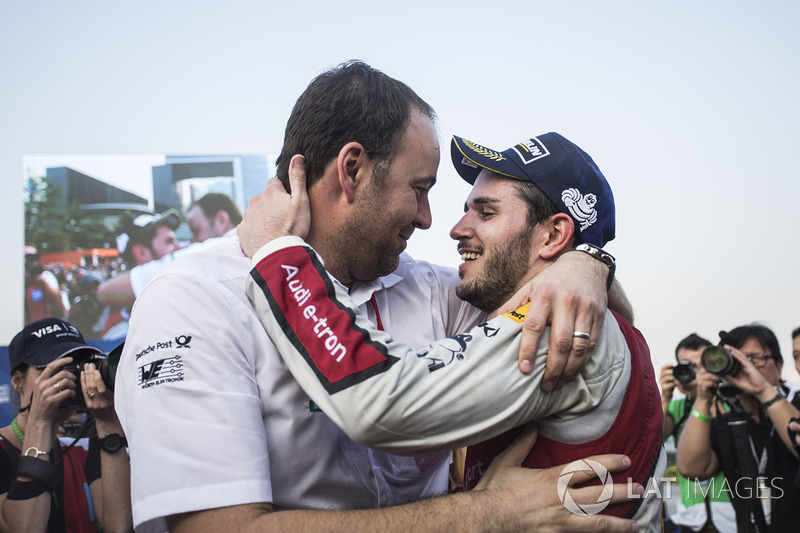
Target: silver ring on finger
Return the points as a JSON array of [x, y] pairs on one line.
[[90, 395], [581, 335], [56, 386]]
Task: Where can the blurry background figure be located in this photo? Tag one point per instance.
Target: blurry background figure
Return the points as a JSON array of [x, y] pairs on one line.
[[43, 295], [145, 238], [47, 485], [796, 348], [148, 237], [749, 443], [703, 505], [213, 215]]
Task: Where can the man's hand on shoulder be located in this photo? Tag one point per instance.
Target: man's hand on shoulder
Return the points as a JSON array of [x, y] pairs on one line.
[[275, 213], [571, 296]]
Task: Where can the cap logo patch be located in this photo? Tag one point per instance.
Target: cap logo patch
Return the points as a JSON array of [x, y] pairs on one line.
[[485, 152], [580, 206], [531, 150], [468, 162]]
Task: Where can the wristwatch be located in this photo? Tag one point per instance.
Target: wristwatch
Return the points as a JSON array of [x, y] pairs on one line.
[[778, 397], [112, 442], [601, 255]]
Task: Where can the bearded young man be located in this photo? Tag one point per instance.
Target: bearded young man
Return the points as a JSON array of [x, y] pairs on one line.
[[221, 436], [529, 205]]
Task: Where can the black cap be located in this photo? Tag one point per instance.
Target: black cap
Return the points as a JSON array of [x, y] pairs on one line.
[[42, 342]]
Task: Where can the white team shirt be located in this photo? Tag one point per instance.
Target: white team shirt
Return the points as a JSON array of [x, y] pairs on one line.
[[214, 418]]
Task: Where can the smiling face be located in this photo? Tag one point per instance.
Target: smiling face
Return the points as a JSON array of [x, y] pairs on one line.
[[386, 213], [495, 242]]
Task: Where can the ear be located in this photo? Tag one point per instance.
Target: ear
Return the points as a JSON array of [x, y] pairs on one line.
[[351, 165], [16, 380], [560, 228], [141, 254], [222, 219]]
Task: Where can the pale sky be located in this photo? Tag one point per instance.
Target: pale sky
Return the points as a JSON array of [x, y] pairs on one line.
[[689, 108]]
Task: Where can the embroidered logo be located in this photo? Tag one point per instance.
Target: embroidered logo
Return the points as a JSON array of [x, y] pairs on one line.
[[580, 206], [485, 152], [161, 371], [531, 150]]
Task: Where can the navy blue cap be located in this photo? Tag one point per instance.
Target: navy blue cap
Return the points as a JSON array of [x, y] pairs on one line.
[[42, 342], [565, 173]]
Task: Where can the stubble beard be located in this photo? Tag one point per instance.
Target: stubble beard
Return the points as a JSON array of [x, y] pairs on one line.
[[501, 275]]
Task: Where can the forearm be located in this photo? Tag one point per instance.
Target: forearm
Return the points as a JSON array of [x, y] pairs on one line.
[[779, 414], [618, 301], [669, 424], [29, 515], [456, 512], [381, 392], [114, 511], [695, 458], [116, 291]]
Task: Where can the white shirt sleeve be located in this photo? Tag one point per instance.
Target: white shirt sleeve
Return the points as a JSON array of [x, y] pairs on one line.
[[188, 400]]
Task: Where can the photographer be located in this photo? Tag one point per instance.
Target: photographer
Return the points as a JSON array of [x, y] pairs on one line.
[[703, 506], [43, 296], [750, 443], [43, 485]]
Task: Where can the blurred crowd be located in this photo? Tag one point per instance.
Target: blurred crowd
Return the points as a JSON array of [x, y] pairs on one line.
[[96, 297]]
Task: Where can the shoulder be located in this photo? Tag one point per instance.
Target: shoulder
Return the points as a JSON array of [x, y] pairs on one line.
[[219, 263]]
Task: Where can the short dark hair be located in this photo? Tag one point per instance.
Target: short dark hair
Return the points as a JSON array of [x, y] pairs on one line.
[[540, 207], [692, 342], [214, 202], [795, 333], [352, 102], [765, 336]]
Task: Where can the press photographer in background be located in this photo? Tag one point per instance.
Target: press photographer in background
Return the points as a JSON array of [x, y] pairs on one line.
[[749, 443], [704, 505], [43, 483]]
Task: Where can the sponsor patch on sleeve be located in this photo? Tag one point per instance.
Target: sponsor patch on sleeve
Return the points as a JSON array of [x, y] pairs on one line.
[[518, 315], [322, 329]]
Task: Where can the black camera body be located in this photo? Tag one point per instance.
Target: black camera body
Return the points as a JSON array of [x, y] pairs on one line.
[[719, 361], [684, 372], [79, 361]]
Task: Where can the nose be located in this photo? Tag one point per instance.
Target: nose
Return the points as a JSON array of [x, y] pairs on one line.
[[424, 218], [461, 230]]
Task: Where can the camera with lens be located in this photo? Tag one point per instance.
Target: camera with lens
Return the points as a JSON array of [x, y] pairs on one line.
[[105, 364], [719, 361], [684, 372]]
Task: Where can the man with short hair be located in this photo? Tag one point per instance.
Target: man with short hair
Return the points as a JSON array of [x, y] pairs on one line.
[[222, 437], [702, 505], [148, 237], [796, 348], [144, 239], [529, 205], [213, 215]]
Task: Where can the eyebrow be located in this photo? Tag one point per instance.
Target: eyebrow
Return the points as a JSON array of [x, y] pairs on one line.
[[481, 200], [429, 181]]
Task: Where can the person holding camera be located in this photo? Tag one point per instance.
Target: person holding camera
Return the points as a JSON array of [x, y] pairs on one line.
[[45, 486], [750, 443], [700, 508]]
